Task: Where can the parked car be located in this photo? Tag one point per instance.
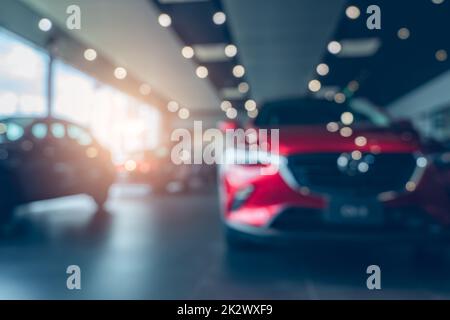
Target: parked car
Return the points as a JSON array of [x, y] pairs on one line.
[[49, 158], [155, 168], [343, 174]]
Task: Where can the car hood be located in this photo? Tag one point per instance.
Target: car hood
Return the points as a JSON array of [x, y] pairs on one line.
[[319, 139]]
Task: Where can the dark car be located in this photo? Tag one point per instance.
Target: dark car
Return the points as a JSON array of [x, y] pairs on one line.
[[342, 173], [48, 158]]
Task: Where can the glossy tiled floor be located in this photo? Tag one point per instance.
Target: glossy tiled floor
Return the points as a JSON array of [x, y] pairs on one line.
[[171, 247]]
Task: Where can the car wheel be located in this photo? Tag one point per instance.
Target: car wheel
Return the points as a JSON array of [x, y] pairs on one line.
[[101, 197]]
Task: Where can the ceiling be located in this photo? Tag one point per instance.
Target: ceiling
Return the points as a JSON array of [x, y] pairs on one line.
[[129, 34], [281, 41], [399, 66]]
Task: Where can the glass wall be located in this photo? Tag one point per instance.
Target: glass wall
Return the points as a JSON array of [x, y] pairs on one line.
[[119, 122], [23, 70]]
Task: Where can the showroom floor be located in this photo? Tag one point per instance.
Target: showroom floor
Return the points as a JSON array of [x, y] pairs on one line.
[[171, 247]]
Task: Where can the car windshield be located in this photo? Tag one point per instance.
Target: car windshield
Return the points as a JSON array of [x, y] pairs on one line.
[[304, 112]]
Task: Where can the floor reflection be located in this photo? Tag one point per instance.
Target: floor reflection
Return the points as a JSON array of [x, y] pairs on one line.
[[170, 247]]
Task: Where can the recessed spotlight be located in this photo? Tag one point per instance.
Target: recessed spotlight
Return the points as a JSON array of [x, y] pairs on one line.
[[231, 113], [231, 50], [45, 24], [441, 55], [437, 1], [243, 87], [314, 85], [184, 114], [339, 97], [352, 12], [353, 86], [202, 72], [188, 52], [253, 113], [90, 54], [120, 73], [238, 71], [164, 20], [173, 106], [347, 118], [334, 47], [403, 33], [411, 186], [360, 141], [225, 105], [219, 18], [250, 105], [356, 155], [346, 132], [422, 162], [333, 127], [322, 69], [145, 89]]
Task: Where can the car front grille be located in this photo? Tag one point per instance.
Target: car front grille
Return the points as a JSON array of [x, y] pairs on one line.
[[321, 173]]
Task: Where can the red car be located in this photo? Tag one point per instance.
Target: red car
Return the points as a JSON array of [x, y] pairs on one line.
[[344, 173]]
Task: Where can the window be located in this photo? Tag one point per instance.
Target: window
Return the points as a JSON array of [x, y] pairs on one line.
[[22, 77], [14, 132], [119, 122], [80, 135], [58, 130], [39, 130]]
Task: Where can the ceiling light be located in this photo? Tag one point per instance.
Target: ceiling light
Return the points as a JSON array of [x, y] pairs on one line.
[[314, 85], [90, 54], [164, 20], [346, 132], [411, 186], [403, 33], [441, 55], [332, 127], [361, 141], [243, 87], [322, 69], [334, 47], [45, 24], [352, 12], [253, 113], [437, 1], [184, 113], [347, 118], [353, 86], [202, 72], [225, 105], [422, 162], [120, 73], [145, 89], [231, 113], [188, 52], [356, 155], [173, 106], [219, 18], [231, 50], [339, 97], [238, 71], [250, 105]]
